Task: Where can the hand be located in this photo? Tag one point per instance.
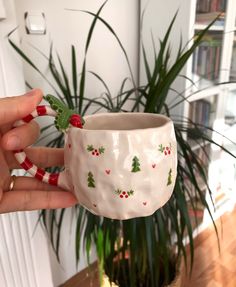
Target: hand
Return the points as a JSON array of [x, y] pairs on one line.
[[28, 193]]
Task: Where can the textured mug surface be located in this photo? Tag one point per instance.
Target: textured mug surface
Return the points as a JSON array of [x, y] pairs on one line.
[[121, 165]]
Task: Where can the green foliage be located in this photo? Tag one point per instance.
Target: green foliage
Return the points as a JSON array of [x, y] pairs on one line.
[[154, 244], [154, 94]]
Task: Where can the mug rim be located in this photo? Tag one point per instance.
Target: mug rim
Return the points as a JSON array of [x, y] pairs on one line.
[[167, 122]]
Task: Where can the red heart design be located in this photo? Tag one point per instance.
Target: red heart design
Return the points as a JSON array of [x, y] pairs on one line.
[[145, 203], [108, 171], [95, 205], [154, 165]]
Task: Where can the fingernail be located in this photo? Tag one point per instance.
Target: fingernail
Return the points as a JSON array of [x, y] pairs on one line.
[[13, 142], [30, 93]]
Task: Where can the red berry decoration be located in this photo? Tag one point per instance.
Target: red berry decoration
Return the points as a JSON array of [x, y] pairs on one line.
[[76, 121], [95, 151], [124, 194], [165, 149]]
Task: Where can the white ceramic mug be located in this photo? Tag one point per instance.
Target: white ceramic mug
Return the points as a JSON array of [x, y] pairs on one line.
[[120, 165]]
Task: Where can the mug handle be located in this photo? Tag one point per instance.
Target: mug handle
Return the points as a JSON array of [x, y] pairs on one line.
[[56, 179]]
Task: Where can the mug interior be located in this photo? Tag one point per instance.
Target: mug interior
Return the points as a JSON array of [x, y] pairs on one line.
[[124, 121]]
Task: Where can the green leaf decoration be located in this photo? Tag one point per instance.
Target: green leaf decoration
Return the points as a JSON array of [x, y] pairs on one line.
[[161, 148], [101, 150], [118, 191], [131, 192], [90, 148], [55, 103], [62, 119]]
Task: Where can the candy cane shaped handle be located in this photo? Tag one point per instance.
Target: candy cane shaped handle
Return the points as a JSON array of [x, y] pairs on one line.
[[20, 155]]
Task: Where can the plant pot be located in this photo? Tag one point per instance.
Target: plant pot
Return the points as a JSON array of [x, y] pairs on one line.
[[84, 278], [176, 281], [106, 283]]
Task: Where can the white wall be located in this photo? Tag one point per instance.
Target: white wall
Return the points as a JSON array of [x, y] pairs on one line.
[[65, 28], [11, 76]]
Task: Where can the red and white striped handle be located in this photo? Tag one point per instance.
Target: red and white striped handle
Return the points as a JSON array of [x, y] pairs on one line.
[[21, 157]]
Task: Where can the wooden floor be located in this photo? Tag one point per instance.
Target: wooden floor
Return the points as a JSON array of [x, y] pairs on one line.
[[213, 268]]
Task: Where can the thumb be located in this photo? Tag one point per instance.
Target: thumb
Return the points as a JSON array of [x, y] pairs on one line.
[[16, 108]]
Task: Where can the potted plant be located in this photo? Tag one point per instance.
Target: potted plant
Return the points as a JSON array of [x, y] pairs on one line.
[[142, 251]]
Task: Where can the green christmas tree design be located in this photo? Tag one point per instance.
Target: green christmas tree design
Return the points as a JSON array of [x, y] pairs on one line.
[[135, 165], [91, 181], [169, 181]]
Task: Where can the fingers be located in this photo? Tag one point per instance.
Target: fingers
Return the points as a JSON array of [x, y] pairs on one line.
[[15, 108], [34, 200], [41, 156], [4, 174], [30, 183], [21, 137]]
